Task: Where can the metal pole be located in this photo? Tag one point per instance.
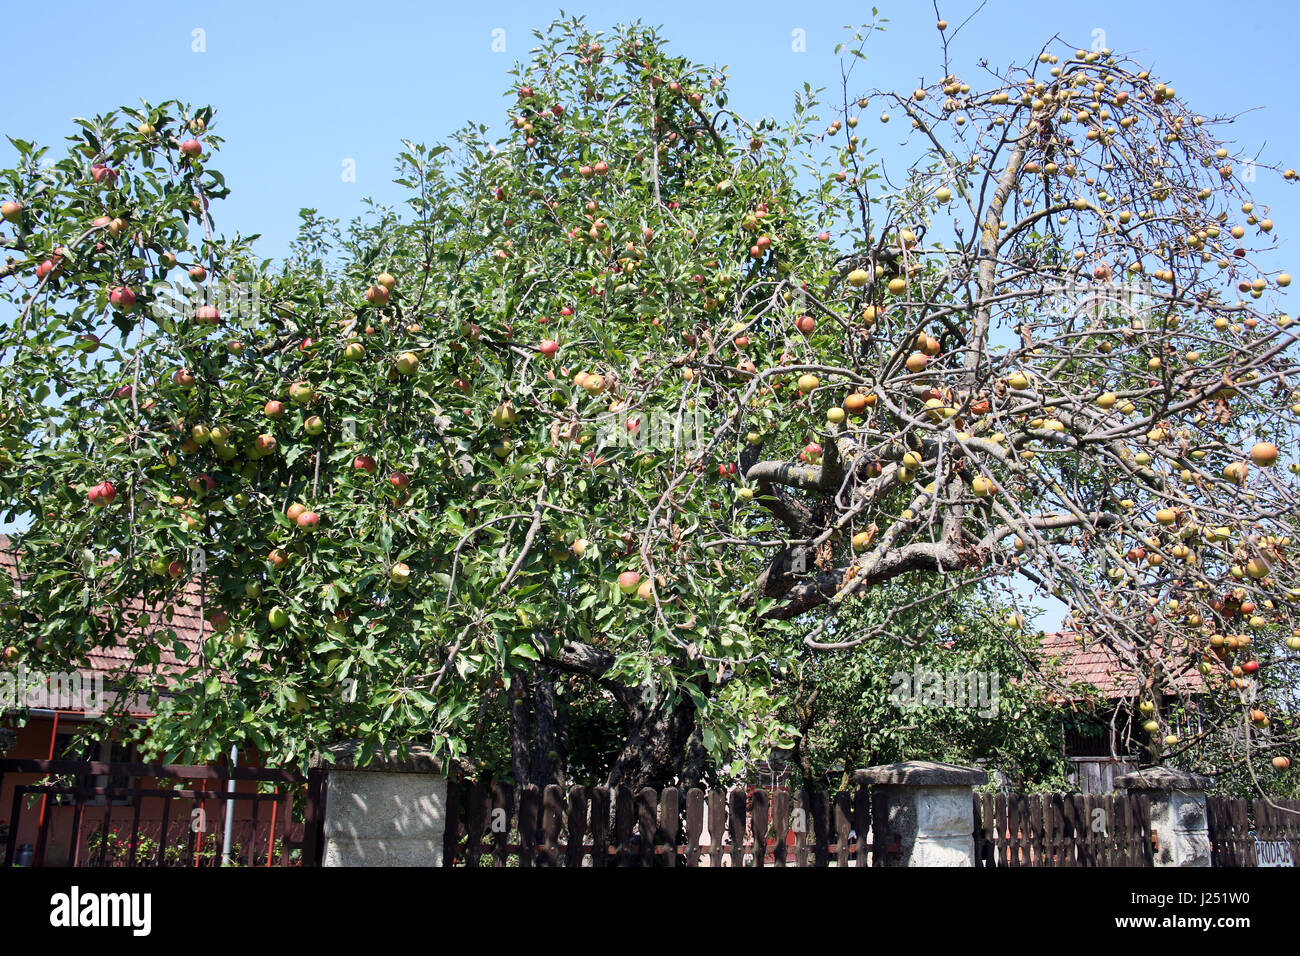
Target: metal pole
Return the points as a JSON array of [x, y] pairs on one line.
[[230, 810]]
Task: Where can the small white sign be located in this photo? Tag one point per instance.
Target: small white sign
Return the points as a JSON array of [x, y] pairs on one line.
[[1273, 853]]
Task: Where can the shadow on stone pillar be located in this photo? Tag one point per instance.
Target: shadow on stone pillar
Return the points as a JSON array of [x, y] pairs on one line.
[[922, 813], [1178, 815], [391, 812]]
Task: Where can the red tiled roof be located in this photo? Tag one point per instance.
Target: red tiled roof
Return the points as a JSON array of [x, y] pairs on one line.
[[1072, 661], [117, 662]]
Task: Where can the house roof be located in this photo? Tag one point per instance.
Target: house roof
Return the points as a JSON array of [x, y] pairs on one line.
[[1069, 659], [117, 663]]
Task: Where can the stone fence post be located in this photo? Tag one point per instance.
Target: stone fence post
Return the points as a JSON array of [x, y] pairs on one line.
[[922, 813], [1178, 815], [391, 812]]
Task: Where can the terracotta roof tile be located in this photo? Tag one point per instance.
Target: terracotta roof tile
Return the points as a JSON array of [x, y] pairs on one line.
[[1094, 664], [117, 662]]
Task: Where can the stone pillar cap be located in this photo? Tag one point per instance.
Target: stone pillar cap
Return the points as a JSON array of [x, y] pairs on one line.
[[1163, 778], [922, 773], [418, 759]]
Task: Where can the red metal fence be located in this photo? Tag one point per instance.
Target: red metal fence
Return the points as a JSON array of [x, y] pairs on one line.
[[177, 820]]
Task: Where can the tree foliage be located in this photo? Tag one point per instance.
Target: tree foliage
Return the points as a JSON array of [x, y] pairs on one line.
[[641, 392]]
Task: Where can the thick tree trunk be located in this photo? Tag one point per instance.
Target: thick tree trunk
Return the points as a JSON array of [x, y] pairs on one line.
[[546, 757], [520, 729], [663, 748]]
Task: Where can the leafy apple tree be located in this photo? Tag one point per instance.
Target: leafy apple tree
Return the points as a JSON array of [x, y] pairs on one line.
[[639, 399]]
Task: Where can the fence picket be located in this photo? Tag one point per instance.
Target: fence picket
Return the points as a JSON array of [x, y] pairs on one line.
[[780, 826], [670, 821], [717, 823], [576, 826], [530, 801], [647, 806], [600, 826], [552, 818], [843, 824], [694, 825], [624, 820], [862, 823], [758, 819], [803, 810]]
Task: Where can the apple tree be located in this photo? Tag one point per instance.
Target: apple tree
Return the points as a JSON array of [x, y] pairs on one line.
[[640, 397]]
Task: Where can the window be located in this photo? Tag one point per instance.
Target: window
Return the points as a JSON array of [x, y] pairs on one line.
[[74, 745]]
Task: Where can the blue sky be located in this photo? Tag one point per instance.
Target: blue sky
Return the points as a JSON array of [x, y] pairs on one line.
[[302, 88]]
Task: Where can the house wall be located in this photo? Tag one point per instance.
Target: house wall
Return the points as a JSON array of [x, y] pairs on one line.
[[1097, 774], [250, 829]]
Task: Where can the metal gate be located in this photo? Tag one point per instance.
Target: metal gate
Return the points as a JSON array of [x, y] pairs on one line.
[[88, 813]]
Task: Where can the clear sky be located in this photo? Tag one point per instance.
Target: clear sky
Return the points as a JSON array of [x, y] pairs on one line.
[[303, 88]]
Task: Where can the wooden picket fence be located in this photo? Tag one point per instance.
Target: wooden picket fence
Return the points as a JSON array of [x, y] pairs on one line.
[[1234, 828], [496, 824], [1061, 829]]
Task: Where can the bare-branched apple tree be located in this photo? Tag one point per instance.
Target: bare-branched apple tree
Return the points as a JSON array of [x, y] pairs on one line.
[[640, 398]]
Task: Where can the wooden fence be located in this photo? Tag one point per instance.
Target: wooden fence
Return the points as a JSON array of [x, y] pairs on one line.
[[495, 824], [1236, 831], [1056, 829]]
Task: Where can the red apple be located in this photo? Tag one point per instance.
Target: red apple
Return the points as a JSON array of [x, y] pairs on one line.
[[365, 463], [122, 298], [198, 273], [548, 347], [12, 211], [399, 480], [273, 409], [191, 148], [208, 315], [102, 495], [805, 324], [628, 581], [377, 295], [308, 520]]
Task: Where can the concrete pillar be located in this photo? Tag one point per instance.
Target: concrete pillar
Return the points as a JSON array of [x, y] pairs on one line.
[[391, 812], [922, 813], [1178, 816]]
